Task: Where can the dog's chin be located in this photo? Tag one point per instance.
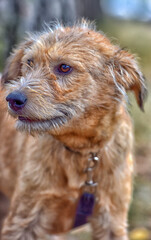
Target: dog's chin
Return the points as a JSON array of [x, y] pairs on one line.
[[40, 126]]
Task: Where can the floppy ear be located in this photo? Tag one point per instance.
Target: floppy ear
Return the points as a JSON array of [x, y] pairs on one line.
[[129, 76], [13, 65]]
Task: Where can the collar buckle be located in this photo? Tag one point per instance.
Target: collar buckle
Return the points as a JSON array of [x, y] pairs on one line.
[[90, 184]]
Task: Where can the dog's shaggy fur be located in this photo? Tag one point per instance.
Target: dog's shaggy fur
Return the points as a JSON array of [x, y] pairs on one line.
[[67, 116]]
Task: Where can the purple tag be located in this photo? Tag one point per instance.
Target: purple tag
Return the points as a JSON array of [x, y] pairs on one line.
[[84, 209]]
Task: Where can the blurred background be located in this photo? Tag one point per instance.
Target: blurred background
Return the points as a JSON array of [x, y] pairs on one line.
[[125, 22]]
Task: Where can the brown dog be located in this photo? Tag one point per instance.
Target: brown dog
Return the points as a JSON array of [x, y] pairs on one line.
[[67, 88]]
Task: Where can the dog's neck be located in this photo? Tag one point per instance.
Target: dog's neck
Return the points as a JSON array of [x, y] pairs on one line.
[[92, 136], [84, 140], [78, 144]]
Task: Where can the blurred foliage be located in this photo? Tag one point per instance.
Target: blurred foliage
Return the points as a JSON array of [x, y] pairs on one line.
[[140, 234]]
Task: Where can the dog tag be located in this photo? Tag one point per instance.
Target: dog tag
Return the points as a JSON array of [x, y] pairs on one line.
[[84, 209]]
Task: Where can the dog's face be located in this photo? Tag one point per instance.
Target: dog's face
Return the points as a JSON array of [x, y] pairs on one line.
[[57, 79]]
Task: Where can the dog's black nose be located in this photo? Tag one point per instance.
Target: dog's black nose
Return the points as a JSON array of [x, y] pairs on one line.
[[17, 100]]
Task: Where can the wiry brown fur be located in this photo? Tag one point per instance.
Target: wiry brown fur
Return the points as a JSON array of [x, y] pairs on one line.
[[75, 114]]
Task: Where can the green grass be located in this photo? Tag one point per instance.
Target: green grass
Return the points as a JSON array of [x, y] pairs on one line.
[[141, 205]]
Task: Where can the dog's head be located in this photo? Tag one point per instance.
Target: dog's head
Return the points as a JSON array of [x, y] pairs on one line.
[[68, 77]]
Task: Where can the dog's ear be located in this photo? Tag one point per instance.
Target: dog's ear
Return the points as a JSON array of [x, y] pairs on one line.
[[13, 65], [129, 76]]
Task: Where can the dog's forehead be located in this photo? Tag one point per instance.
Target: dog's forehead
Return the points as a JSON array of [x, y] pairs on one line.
[[79, 36], [69, 38]]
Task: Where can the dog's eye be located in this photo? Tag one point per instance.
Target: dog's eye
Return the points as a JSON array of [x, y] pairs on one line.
[[30, 62], [64, 68]]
